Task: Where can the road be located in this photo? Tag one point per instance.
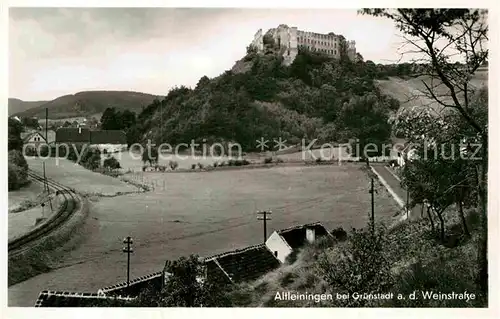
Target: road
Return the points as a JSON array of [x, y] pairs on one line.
[[393, 181]]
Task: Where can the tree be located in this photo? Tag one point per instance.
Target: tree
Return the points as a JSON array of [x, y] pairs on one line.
[[111, 163], [441, 37], [14, 135], [110, 119], [126, 119], [150, 155], [187, 286], [30, 122], [91, 158]]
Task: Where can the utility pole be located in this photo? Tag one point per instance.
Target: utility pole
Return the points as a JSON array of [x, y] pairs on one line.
[[265, 217], [46, 186], [46, 125], [372, 192], [128, 250]]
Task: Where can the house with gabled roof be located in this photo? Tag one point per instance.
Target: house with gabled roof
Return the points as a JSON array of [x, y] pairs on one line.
[[283, 242], [34, 139]]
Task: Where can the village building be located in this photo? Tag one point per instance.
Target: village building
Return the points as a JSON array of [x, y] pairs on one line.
[[33, 140], [237, 266], [283, 242], [107, 141]]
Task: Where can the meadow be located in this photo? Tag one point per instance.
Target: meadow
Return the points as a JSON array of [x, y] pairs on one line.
[[79, 178], [205, 213]]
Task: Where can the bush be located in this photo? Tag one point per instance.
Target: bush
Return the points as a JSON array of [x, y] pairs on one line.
[[339, 234], [362, 266], [279, 160], [319, 160], [200, 166], [91, 158], [193, 166], [111, 163], [13, 177], [173, 165], [216, 164], [17, 158], [268, 160]]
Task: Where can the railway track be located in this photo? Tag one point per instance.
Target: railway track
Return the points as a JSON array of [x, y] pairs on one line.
[[65, 211]]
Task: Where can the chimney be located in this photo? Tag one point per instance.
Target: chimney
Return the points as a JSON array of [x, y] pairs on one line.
[[310, 234]]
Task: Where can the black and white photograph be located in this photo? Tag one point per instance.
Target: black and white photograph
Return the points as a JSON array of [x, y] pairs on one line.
[[240, 157]]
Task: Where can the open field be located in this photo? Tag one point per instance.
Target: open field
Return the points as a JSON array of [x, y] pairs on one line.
[[75, 176], [205, 213], [133, 162]]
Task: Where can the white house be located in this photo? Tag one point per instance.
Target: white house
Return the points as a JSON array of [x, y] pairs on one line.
[[283, 242]]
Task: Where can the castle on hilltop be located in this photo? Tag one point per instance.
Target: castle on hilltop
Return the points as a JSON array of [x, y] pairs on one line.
[[290, 39]]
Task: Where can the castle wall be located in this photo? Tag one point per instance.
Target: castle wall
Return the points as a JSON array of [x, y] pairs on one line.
[[258, 40], [290, 39]]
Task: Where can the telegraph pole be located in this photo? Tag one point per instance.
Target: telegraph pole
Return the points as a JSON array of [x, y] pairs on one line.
[[128, 250], [47, 187], [372, 192], [265, 217], [46, 125]]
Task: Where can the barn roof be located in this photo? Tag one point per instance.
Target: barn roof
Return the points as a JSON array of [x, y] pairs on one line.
[[84, 135], [72, 135], [295, 236], [135, 285], [78, 299], [246, 264], [108, 137]]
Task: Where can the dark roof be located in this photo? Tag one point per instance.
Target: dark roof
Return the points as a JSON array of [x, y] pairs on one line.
[[84, 135], [296, 236], [108, 137], [77, 299], [246, 264], [136, 285], [72, 135]]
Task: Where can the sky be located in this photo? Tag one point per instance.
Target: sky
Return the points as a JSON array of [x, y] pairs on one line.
[[59, 51]]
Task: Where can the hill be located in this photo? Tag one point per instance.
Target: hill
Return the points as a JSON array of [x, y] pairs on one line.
[[411, 91], [316, 97], [88, 103], [17, 106]]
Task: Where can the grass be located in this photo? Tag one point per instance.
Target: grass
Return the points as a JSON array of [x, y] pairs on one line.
[[19, 198], [207, 214], [80, 178]]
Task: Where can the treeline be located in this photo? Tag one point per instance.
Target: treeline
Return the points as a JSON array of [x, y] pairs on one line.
[[17, 166], [125, 120], [315, 97]]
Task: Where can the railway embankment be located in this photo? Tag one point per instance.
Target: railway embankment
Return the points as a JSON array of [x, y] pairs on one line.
[[35, 251]]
